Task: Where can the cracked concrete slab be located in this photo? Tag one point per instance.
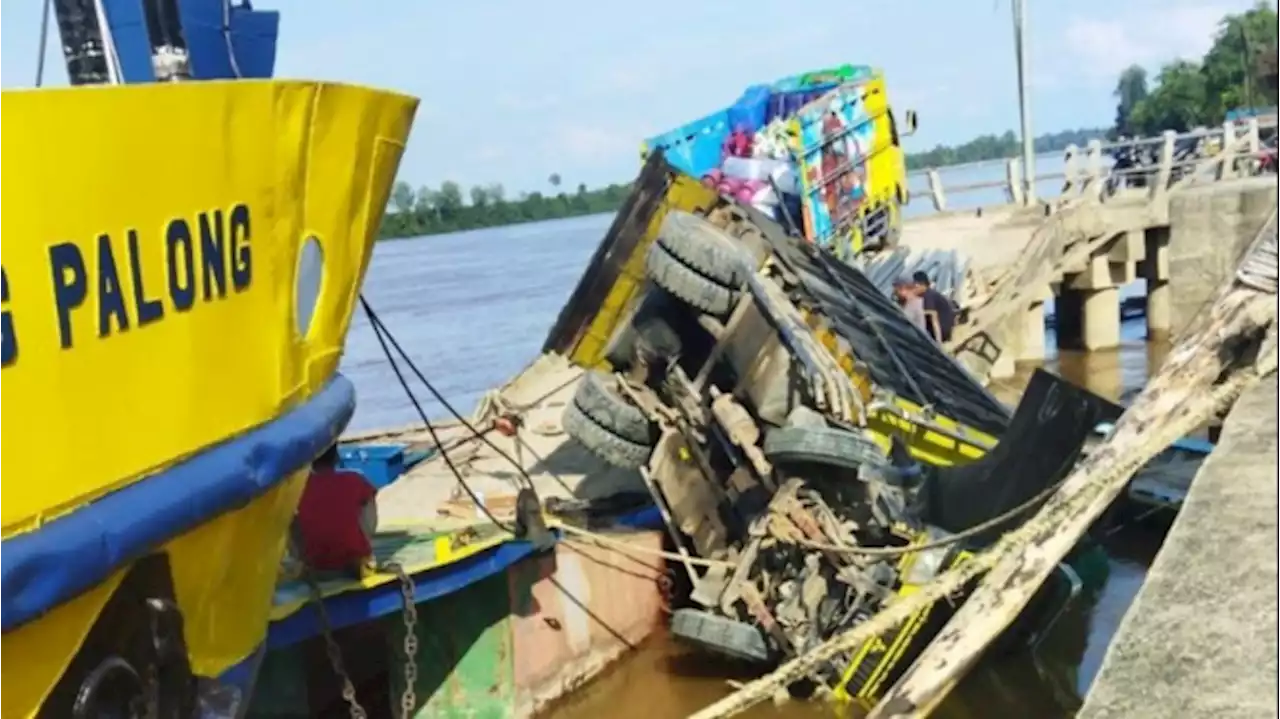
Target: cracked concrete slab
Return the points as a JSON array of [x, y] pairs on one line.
[[1200, 638]]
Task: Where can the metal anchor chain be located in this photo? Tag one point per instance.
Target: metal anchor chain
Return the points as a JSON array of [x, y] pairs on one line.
[[409, 697], [331, 647]]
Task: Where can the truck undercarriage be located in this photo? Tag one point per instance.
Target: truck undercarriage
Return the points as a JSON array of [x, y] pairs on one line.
[[816, 451]]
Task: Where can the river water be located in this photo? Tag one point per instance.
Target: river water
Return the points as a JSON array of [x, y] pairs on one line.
[[472, 310]]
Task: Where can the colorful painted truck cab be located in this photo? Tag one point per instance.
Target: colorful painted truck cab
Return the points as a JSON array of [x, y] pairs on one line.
[[819, 153], [174, 308]]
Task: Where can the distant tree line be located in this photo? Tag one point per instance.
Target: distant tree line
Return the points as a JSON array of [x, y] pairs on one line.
[[431, 211], [996, 147], [1238, 72]]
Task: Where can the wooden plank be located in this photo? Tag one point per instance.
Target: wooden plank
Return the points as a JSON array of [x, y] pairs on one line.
[[1186, 392]]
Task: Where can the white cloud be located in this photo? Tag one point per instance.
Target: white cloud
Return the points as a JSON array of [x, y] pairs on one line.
[[594, 145], [490, 153], [1105, 46], [1148, 35], [1041, 80], [914, 96], [525, 103], [629, 74]]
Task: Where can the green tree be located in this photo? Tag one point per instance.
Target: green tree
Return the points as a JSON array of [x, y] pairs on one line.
[[1269, 67], [1177, 103], [427, 205], [1237, 72], [442, 210], [1234, 68], [449, 201], [1130, 90], [402, 197]]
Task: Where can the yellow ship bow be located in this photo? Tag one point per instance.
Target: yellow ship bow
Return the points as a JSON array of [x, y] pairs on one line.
[[180, 265]]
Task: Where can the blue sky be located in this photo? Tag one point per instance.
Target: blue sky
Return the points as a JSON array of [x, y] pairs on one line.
[[513, 91]]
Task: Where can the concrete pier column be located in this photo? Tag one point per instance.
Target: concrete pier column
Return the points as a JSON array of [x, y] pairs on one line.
[[1159, 308], [1068, 318], [1154, 268], [1100, 312], [1088, 319]]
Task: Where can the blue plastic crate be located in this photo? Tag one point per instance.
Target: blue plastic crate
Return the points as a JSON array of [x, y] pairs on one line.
[[695, 148], [381, 464]]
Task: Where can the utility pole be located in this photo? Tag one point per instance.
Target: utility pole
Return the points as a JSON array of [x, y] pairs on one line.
[[1024, 102], [1249, 67]]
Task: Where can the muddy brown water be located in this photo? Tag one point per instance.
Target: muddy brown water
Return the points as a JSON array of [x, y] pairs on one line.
[[662, 679]]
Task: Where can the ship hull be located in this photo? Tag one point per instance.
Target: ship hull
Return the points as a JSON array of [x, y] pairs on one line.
[[182, 267]]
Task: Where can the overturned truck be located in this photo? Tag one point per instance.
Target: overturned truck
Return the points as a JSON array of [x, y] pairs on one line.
[[796, 431]]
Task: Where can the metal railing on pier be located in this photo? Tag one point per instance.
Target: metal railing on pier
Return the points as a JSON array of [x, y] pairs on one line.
[[1153, 164]]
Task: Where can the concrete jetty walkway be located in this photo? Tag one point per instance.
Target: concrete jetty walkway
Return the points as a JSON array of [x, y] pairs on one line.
[[1200, 638]]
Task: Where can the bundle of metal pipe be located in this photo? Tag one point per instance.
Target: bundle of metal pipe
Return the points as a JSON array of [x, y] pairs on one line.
[[946, 269]]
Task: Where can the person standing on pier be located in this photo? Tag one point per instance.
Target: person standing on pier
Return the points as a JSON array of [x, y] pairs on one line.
[[911, 304], [939, 313]]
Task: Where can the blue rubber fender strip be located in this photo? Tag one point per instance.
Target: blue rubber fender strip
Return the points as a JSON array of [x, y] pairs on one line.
[[67, 556], [365, 605], [357, 607]]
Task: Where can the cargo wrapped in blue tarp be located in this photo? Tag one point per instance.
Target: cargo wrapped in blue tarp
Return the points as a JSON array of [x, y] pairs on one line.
[[749, 112]]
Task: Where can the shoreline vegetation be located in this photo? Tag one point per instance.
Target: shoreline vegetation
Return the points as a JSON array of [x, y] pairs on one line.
[[433, 211], [1238, 71]]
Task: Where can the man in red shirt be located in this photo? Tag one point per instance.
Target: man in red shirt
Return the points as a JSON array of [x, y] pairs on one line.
[[337, 518]]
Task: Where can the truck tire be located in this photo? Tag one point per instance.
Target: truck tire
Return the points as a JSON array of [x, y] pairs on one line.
[[598, 398], [688, 284], [705, 248], [603, 443], [646, 330], [821, 445], [721, 635]]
